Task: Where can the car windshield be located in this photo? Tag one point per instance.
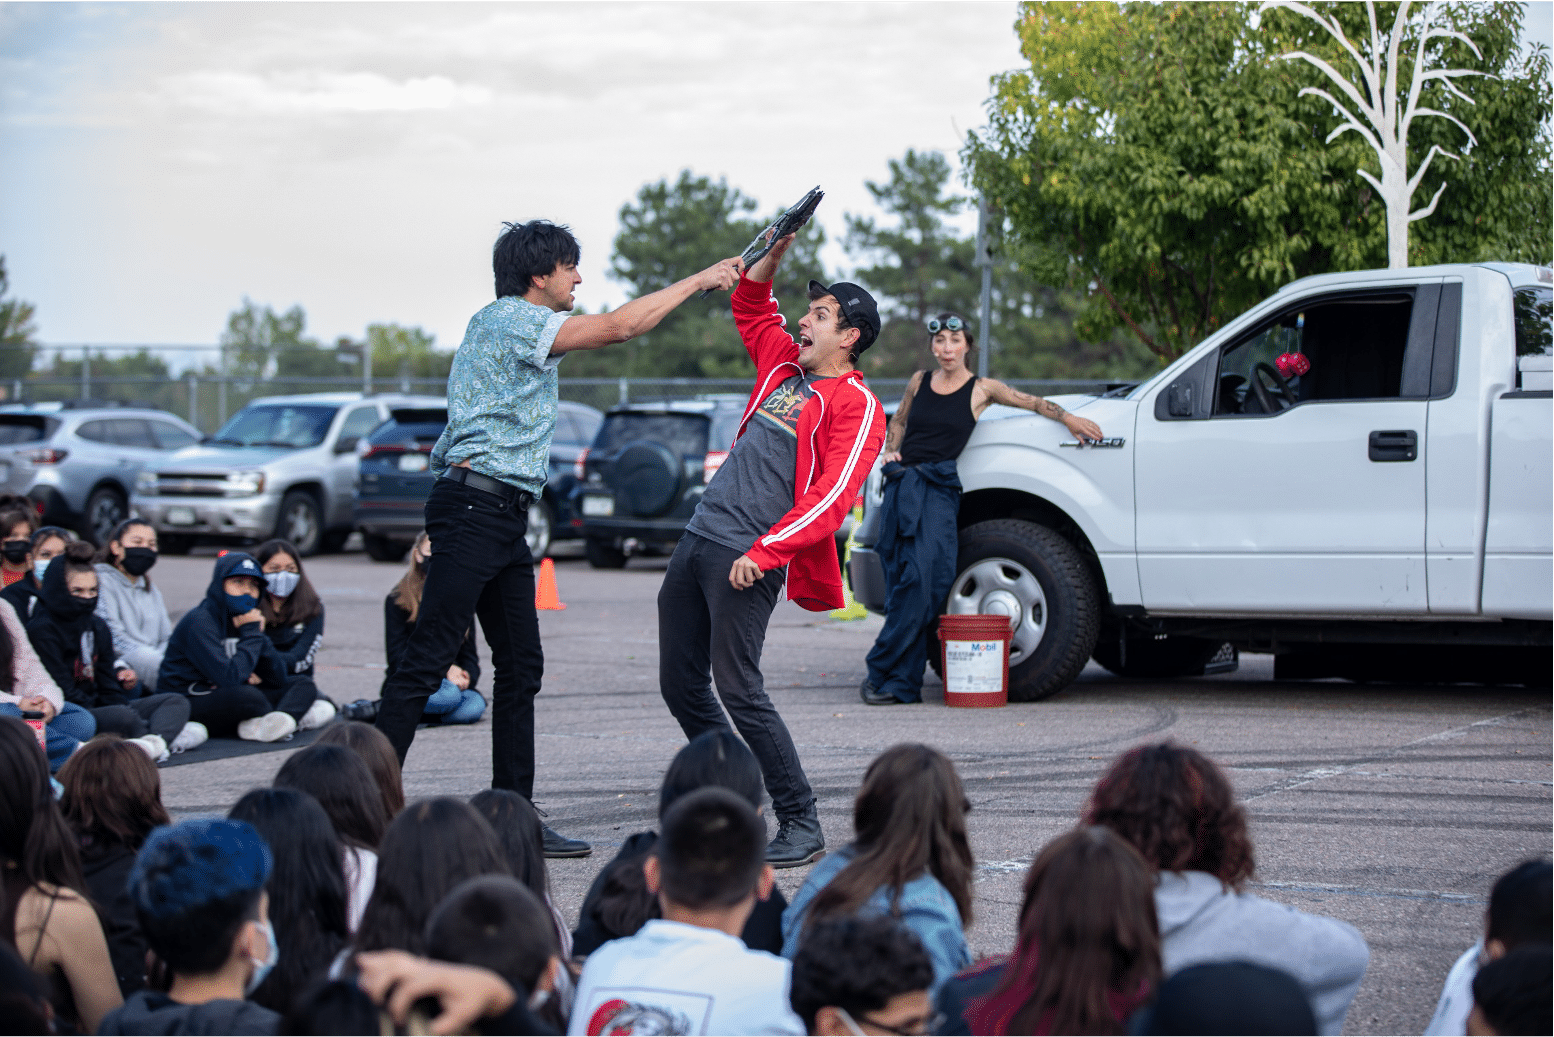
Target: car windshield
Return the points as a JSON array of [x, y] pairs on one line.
[[279, 425]]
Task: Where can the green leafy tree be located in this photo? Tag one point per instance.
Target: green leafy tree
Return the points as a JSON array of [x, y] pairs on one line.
[[17, 331], [401, 352], [1159, 159], [259, 342]]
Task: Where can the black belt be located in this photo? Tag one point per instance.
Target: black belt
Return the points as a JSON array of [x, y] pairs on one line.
[[485, 484]]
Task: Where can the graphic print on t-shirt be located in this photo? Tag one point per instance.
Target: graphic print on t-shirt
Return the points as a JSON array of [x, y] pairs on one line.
[[782, 406], [670, 1014]]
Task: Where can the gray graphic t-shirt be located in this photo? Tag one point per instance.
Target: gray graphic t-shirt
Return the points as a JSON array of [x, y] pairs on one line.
[[754, 488]]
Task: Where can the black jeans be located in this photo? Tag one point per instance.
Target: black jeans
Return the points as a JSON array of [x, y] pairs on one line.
[[705, 627], [223, 709], [481, 566], [162, 715]]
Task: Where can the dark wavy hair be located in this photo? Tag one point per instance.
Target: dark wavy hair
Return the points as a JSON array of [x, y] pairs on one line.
[[524, 251], [1177, 808], [34, 837], [307, 889], [113, 793], [303, 604], [338, 778], [856, 964], [1089, 945], [910, 819]]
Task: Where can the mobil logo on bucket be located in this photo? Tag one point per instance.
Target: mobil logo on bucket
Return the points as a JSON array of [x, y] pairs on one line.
[[976, 660]]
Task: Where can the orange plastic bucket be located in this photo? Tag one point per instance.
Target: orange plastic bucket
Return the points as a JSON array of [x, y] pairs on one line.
[[975, 656]]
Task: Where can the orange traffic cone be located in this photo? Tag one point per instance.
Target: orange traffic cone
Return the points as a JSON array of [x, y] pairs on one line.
[[545, 596]]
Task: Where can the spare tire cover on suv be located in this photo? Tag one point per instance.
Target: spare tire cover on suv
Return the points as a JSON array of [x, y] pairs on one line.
[[646, 478]]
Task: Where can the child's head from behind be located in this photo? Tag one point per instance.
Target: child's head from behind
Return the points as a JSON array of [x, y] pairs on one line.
[[711, 853], [861, 970], [198, 889], [339, 779], [112, 792], [497, 923], [1519, 908], [712, 758], [377, 753], [518, 828]]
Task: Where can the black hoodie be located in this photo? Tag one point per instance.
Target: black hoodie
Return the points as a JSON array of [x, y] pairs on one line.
[[151, 1012], [206, 650], [73, 644]]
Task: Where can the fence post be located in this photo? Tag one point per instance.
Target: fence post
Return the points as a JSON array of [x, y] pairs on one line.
[[194, 400], [625, 393], [86, 373]]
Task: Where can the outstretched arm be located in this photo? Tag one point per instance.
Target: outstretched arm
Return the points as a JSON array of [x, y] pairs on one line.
[[1082, 428], [591, 331]]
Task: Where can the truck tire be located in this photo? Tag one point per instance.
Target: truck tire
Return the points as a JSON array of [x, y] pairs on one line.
[[1029, 572], [382, 549], [104, 510], [1146, 657], [300, 522], [538, 530], [174, 543], [603, 555]]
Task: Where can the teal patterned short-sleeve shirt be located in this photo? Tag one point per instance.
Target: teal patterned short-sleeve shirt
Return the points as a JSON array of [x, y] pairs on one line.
[[502, 395]]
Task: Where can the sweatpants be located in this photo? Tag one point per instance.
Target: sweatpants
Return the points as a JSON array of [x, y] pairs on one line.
[[162, 715], [222, 709]]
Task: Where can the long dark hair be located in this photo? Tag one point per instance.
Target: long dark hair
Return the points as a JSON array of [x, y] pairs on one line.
[[113, 793], [1178, 809], [338, 778], [34, 837], [1089, 944], [407, 592], [431, 847], [377, 752], [910, 818], [521, 834], [302, 604], [307, 889]]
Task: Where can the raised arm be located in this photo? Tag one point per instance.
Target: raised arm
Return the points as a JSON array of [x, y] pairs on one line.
[[997, 392], [898, 421], [591, 331]]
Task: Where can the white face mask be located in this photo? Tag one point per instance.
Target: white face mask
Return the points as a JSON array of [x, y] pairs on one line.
[[262, 968], [281, 584], [39, 568]]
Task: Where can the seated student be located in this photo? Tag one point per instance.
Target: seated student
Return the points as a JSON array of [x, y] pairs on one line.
[[909, 858], [455, 701], [45, 915], [113, 801], [496, 922], [338, 780], [522, 834], [294, 623], [1178, 810], [1519, 913], [1235, 997], [861, 975], [1088, 952], [47, 543], [76, 647], [216, 657], [26, 687], [377, 753], [198, 887], [1512, 994], [16, 528], [128, 601], [618, 902], [688, 972]]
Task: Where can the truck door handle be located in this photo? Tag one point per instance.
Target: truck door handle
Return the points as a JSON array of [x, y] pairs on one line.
[[1400, 445]]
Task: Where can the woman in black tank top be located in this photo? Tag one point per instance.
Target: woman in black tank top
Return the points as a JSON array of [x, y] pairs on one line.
[[917, 536]]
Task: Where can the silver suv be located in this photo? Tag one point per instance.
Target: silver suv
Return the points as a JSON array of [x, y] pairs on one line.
[[282, 466], [79, 464]]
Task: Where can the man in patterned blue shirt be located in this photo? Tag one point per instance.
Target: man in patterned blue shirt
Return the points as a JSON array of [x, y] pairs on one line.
[[493, 459]]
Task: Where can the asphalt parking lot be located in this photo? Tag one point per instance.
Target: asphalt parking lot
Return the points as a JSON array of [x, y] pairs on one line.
[[1393, 808]]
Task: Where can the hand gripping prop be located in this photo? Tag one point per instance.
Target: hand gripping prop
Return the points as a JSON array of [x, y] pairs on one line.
[[788, 223]]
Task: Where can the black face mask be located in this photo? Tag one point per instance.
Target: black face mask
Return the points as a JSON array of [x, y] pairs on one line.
[[138, 560], [15, 551], [76, 608]]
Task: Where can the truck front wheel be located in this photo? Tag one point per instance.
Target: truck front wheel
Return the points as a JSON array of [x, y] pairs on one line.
[[1032, 575]]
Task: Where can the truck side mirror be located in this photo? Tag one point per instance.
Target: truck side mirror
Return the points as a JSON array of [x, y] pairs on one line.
[[1187, 398]]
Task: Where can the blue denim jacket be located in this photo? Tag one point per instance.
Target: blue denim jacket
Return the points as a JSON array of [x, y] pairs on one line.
[[925, 907]]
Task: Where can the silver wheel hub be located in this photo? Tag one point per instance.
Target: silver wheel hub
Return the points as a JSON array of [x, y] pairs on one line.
[[538, 531], [1002, 587]]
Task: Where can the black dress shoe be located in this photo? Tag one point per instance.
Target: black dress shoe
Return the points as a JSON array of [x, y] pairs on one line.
[[798, 841], [874, 697], [558, 845]]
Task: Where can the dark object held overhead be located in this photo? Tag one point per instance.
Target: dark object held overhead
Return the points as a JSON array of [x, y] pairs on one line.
[[788, 223]]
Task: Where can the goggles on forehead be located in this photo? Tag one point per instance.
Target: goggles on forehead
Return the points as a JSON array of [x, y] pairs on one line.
[[950, 323]]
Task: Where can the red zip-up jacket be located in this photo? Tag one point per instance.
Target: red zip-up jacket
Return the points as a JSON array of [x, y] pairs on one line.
[[840, 432]]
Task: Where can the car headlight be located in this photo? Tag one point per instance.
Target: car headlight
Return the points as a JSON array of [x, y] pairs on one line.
[[244, 484], [145, 483]]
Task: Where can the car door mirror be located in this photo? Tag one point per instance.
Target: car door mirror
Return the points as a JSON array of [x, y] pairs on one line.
[[346, 444], [1186, 398], [1179, 400]]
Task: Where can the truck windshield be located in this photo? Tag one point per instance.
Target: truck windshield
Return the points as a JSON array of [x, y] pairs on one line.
[[279, 425]]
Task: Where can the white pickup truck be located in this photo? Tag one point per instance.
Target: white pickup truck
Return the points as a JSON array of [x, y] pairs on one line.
[[1385, 515]]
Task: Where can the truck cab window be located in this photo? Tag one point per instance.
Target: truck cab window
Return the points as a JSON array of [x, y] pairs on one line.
[[1352, 348], [1534, 315]]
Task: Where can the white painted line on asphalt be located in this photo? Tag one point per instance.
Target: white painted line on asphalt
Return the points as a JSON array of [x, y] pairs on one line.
[[1360, 891]]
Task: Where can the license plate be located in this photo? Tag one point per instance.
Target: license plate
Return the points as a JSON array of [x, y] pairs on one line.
[[413, 463], [599, 507], [180, 517]]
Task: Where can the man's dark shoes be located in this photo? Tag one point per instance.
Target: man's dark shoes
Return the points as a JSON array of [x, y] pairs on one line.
[[874, 697], [558, 845], [798, 841]]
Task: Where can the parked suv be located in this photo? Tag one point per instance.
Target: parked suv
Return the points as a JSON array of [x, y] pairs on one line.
[[79, 465], [396, 478], [282, 466]]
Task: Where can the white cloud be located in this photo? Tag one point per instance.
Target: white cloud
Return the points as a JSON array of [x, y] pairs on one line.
[[316, 91]]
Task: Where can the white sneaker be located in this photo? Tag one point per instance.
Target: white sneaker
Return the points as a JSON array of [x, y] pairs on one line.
[[154, 746], [192, 736], [271, 727], [321, 712]]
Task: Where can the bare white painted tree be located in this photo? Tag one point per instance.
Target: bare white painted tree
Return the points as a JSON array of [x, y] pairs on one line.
[[1387, 117]]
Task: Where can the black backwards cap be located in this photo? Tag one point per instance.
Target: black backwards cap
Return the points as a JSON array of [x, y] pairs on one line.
[[857, 306]]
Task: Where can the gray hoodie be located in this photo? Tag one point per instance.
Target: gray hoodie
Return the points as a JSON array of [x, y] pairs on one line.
[[1200, 921], [135, 613]]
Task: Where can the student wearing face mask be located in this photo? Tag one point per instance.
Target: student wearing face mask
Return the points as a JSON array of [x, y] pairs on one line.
[[47, 544], [294, 624], [129, 602], [75, 645], [217, 658], [456, 701], [18, 524]]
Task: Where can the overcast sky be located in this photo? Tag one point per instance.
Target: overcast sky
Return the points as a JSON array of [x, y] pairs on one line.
[[158, 162]]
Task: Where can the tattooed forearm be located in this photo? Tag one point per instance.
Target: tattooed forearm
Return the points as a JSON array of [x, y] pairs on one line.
[[1048, 409]]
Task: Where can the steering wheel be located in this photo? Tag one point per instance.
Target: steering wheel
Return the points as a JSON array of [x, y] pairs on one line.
[[1266, 398]]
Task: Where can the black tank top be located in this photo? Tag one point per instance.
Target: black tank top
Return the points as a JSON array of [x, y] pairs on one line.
[[938, 425]]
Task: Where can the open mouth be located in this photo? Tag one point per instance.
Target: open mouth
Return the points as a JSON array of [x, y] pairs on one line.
[[805, 341]]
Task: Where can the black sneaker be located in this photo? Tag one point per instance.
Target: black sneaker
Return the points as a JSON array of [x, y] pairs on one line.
[[874, 697], [798, 841], [558, 845], [365, 710]]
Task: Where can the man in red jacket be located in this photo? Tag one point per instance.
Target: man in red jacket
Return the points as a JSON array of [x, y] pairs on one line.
[[807, 442]]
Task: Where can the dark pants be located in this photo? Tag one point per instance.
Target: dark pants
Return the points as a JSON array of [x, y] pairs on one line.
[[223, 709], [481, 566], [162, 715], [706, 626], [917, 545]]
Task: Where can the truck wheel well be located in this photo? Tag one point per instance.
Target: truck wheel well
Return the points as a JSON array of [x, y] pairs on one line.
[[983, 505]]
